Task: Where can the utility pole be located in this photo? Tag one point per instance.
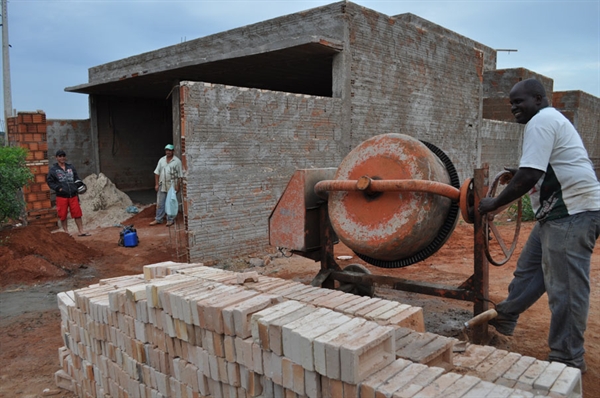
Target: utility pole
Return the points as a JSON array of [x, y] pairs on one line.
[[6, 63]]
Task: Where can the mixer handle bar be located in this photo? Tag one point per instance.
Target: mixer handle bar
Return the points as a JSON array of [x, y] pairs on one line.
[[370, 186]]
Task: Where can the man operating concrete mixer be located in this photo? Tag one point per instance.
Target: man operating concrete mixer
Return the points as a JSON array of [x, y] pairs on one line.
[[556, 171]]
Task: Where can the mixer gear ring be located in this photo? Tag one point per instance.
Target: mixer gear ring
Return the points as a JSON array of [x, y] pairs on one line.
[[445, 230]]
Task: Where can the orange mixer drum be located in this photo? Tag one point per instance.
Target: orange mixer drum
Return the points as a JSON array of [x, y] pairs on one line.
[[388, 227]]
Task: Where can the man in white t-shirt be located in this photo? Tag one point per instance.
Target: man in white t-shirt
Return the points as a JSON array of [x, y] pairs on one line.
[[168, 172], [565, 194]]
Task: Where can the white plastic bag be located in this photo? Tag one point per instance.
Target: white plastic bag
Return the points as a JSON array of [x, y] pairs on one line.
[[171, 205]]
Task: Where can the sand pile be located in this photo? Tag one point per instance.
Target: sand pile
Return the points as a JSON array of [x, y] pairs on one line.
[[103, 204]]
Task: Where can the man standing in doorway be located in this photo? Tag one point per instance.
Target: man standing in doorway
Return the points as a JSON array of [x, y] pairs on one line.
[[62, 178], [167, 173], [565, 195]]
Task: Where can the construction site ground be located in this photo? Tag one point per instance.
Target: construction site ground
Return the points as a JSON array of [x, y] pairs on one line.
[[35, 265]]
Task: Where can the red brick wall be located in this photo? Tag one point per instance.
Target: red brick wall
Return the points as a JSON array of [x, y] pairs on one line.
[[28, 130]]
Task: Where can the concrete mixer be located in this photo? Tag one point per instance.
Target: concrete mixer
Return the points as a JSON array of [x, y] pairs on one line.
[[393, 200]]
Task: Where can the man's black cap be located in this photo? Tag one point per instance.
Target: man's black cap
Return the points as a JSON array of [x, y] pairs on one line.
[[60, 152]]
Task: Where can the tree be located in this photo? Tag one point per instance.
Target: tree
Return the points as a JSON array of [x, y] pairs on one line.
[[14, 175]]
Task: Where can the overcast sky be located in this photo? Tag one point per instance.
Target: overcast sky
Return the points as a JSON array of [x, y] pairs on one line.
[[54, 42]]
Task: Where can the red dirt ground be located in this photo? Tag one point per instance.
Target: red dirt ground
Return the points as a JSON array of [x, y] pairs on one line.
[[35, 265]]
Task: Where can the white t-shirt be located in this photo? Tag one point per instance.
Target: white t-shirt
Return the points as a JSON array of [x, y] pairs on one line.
[[168, 172], [569, 186]]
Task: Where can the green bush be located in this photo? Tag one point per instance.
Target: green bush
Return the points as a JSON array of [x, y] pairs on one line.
[[527, 215], [14, 175]]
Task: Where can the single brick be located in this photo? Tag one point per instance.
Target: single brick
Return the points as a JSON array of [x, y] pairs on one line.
[[298, 376], [287, 374], [257, 360], [367, 354], [312, 384], [229, 345]]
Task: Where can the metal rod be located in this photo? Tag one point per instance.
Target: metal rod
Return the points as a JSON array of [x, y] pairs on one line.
[[431, 289], [481, 282], [369, 185], [8, 111]]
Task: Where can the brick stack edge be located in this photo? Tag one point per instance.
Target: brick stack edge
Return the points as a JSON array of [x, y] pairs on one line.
[[188, 331], [28, 130]]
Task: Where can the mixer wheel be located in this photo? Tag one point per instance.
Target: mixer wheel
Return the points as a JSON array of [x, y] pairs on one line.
[[354, 288], [493, 239]]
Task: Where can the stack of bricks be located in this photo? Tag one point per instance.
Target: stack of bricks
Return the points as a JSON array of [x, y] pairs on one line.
[[185, 330], [28, 130]]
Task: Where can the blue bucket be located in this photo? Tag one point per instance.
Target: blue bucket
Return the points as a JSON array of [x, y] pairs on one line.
[[130, 239]]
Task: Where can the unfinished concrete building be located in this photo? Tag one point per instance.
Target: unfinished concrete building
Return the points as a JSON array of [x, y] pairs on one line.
[[247, 107]]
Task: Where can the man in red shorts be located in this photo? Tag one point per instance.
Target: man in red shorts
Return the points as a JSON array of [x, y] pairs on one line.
[[61, 179]]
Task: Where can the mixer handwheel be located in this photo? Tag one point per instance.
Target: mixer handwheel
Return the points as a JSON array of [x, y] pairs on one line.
[[490, 229], [355, 288]]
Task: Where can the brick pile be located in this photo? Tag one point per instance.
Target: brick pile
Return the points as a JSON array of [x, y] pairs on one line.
[[185, 330], [28, 130]]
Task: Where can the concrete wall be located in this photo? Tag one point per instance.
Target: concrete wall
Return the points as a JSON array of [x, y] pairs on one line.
[[583, 110], [489, 54], [132, 134], [261, 37], [409, 80], [501, 145], [241, 148], [75, 138]]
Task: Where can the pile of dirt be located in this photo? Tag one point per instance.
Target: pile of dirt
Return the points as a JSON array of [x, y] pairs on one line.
[[32, 254], [103, 205]]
